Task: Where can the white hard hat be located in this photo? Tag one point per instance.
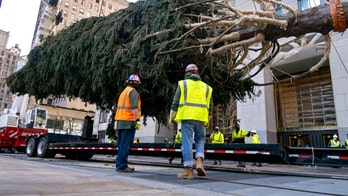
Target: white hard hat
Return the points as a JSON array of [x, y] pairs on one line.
[[253, 131], [217, 128], [335, 135]]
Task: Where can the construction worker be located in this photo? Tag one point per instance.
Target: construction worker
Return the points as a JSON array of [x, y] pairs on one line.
[[127, 119], [255, 140], [177, 140], [334, 142], [217, 137], [346, 143], [192, 107], [238, 136]]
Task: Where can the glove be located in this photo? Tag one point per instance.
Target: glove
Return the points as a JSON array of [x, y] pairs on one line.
[[138, 125], [172, 117], [208, 123]]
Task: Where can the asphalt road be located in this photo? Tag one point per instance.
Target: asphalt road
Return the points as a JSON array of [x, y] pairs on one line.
[[20, 175]]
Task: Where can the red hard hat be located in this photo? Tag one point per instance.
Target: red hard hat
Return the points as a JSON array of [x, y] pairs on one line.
[[191, 67]]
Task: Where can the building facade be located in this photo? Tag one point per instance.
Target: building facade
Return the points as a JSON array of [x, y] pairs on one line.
[[9, 59], [306, 111], [55, 15]]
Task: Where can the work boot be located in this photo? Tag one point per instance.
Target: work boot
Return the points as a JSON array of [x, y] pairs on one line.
[[200, 167], [187, 174]]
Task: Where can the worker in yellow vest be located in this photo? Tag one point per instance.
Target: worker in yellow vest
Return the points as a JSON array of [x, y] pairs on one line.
[[238, 136], [255, 140], [177, 141], [334, 142], [217, 137], [192, 107], [346, 143]]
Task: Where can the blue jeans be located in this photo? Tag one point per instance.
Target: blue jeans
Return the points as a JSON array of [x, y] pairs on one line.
[[188, 129], [124, 143]]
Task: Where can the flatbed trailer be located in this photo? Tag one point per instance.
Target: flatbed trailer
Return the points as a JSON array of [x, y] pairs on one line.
[[77, 147]]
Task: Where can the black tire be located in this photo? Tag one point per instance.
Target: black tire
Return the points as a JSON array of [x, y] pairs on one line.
[[85, 156], [30, 148], [71, 156], [42, 150]]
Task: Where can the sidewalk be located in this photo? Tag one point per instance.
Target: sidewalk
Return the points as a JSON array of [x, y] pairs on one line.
[[276, 169], [20, 177]]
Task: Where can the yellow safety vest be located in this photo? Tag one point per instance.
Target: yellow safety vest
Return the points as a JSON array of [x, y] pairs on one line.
[[124, 110], [217, 138], [178, 137], [194, 101], [255, 139], [334, 144], [240, 135]]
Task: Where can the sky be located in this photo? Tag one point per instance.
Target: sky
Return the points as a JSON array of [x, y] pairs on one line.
[[19, 18]]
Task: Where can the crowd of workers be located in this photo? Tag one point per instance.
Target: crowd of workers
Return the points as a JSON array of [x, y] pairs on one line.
[[192, 108]]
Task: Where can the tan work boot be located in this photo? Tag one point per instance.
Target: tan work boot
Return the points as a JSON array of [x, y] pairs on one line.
[[187, 174], [200, 167]]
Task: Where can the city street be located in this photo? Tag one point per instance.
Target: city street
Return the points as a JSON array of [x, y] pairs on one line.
[[20, 175]]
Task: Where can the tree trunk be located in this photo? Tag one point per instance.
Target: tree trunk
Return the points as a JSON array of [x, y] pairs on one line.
[[317, 19]]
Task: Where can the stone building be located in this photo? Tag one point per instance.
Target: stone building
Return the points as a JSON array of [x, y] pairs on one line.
[[307, 111], [8, 64]]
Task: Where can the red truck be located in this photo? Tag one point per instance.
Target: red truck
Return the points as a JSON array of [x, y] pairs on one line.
[[12, 136]]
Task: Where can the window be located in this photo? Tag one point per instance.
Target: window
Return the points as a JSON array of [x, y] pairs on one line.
[[233, 3], [103, 116], [299, 140], [110, 6], [74, 8], [306, 4], [81, 11], [66, 4], [307, 103], [88, 14], [90, 6], [73, 16], [278, 9], [65, 13]]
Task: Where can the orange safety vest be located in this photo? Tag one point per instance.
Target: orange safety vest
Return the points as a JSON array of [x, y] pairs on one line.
[[124, 110]]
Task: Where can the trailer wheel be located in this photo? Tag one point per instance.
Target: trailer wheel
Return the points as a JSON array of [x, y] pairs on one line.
[[85, 156], [70, 156], [30, 148], [42, 148]]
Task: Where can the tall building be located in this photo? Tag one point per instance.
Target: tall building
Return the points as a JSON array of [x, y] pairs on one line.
[[4, 35], [65, 113], [55, 15], [8, 64]]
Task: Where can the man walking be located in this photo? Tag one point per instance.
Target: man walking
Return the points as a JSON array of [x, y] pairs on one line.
[[127, 119], [192, 106]]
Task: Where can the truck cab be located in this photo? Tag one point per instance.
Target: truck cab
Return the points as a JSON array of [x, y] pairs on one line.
[[35, 118]]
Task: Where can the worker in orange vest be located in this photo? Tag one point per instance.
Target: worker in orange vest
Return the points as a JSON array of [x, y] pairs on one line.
[[127, 119]]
